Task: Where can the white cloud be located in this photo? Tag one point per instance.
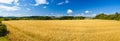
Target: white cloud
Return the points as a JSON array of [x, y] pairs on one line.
[[9, 1], [12, 14], [45, 7], [86, 15], [60, 3], [88, 11], [69, 11], [39, 2], [66, 1], [6, 1], [7, 8], [89, 15], [16, 2]]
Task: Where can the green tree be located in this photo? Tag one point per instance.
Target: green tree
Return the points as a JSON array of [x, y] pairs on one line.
[[101, 16]]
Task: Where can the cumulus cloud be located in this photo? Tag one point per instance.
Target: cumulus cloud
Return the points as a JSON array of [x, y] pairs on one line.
[[88, 11], [7, 8], [39, 2], [69, 11]]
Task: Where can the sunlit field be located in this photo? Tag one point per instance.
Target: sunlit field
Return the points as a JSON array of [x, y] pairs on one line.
[[5, 38], [63, 30]]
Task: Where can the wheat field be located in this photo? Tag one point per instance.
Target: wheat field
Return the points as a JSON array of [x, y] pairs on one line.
[[63, 30]]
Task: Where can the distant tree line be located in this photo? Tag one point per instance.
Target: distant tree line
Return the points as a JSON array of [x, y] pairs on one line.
[[115, 16], [44, 18], [104, 16]]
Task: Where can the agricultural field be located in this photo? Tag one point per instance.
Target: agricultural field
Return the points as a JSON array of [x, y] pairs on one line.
[[63, 30], [5, 38]]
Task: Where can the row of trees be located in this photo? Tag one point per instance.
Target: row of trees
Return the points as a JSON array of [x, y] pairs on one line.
[[43, 18], [115, 16]]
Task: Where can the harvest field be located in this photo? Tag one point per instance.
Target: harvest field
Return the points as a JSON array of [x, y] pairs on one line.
[[63, 30], [5, 38]]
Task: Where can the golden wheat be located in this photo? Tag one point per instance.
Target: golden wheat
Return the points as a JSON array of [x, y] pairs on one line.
[[63, 30]]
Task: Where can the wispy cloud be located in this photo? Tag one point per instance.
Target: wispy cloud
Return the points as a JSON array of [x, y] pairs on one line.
[[15, 15], [10, 2], [39, 2], [60, 3], [86, 13], [45, 7], [28, 9], [7, 8], [16, 2], [6, 1], [64, 2]]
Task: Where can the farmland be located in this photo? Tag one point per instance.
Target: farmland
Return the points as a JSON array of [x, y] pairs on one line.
[[63, 30], [5, 38]]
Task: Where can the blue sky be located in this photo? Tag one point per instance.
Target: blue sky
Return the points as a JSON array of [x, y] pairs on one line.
[[58, 7]]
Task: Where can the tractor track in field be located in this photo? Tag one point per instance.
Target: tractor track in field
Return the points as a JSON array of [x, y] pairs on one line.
[[22, 33]]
